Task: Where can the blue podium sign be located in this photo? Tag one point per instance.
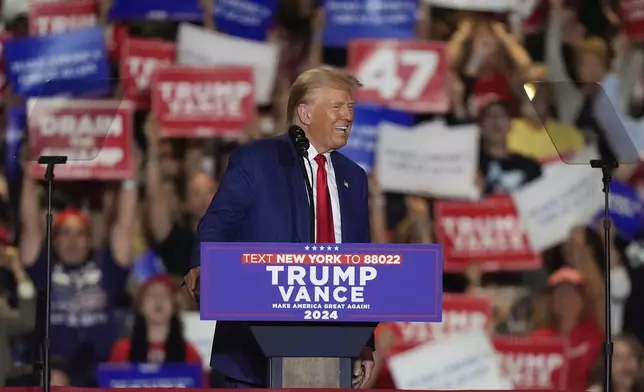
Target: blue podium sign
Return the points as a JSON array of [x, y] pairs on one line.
[[171, 375], [321, 282]]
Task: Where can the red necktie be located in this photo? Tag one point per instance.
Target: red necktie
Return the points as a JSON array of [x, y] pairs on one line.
[[324, 211]]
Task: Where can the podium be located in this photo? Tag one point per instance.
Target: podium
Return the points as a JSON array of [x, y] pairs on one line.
[[313, 307]]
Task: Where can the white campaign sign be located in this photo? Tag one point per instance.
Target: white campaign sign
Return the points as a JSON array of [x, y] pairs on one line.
[[200, 333], [429, 159], [381, 72], [198, 47], [565, 197], [465, 361], [476, 5]]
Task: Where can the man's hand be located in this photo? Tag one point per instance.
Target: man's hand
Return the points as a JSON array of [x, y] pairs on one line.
[[191, 283], [363, 368]]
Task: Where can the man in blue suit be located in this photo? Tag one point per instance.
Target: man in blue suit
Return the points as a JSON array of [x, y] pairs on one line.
[[263, 198]]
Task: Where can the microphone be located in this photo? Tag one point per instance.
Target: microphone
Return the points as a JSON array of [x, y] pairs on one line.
[[300, 140], [302, 144]]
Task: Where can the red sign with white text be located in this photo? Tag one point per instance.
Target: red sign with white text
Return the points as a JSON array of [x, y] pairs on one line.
[[115, 36], [461, 313], [534, 363], [403, 75], [487, 231], [203, 102], [55, 18], [140, 58], [95, 135], [632, 12]]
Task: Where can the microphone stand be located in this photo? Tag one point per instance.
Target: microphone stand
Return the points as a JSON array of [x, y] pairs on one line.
[[302, 144], [606, 165], [309, 191], [51, 162]]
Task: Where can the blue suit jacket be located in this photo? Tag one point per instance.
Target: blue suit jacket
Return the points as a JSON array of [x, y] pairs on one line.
[[262, 198]]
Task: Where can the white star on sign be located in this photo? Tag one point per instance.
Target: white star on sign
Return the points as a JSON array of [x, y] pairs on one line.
[[306, 247], [337, 248], [328, 248], [315, 248]]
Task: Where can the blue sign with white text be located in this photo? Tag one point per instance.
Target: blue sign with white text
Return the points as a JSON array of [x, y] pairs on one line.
[[249, 19], [188, 10], [171, 375], [73, 63], [626, 210], [364, 132], [240, 18], [351, 19], [321, 282]]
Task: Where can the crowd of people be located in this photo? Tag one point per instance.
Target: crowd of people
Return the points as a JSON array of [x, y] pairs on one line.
[[105, 310]]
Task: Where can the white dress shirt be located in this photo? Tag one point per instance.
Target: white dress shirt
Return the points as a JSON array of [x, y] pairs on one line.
[[333, 191]]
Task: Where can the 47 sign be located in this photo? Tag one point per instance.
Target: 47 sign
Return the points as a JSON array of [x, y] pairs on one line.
[[404, 75]]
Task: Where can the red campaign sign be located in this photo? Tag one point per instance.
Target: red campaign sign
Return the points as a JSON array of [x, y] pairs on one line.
[[55, 18], [35, 2], [203, 102], [534, 22], [115, 36], [534, 363], [632, 18], [140, 58], [95, 135], [403, 75], [487, 231], [461, 313]]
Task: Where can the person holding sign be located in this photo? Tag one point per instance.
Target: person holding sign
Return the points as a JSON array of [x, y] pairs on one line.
[[263, 198]]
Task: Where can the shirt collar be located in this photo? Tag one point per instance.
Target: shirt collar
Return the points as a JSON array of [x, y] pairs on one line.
[[313, 153]]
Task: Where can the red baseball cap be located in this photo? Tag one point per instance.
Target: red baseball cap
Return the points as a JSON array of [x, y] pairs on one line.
[[72, 217]]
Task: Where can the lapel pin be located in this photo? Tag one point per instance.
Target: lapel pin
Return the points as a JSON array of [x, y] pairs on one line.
[[346, 184]]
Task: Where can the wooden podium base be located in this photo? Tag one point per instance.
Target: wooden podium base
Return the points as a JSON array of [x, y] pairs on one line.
[[311, 373]]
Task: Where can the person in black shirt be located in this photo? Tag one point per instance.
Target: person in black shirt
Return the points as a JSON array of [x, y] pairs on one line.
[[172, 239], [501, 171]]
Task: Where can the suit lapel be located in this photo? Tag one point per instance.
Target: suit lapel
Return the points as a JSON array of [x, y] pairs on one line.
[[299, 202], [343, 195]]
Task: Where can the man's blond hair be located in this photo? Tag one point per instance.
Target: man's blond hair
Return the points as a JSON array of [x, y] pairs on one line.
[[312, 79]]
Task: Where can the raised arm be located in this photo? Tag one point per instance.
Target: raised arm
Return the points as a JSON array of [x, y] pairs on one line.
[[159, 213], [583, 259], [513, 47], [455, 45], [31, 227], [554, 41], [123, 228]]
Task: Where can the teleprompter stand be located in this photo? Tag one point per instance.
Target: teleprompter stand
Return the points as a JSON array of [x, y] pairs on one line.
[[618, 141], [607, 166], [311, 355], [51, 162]]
